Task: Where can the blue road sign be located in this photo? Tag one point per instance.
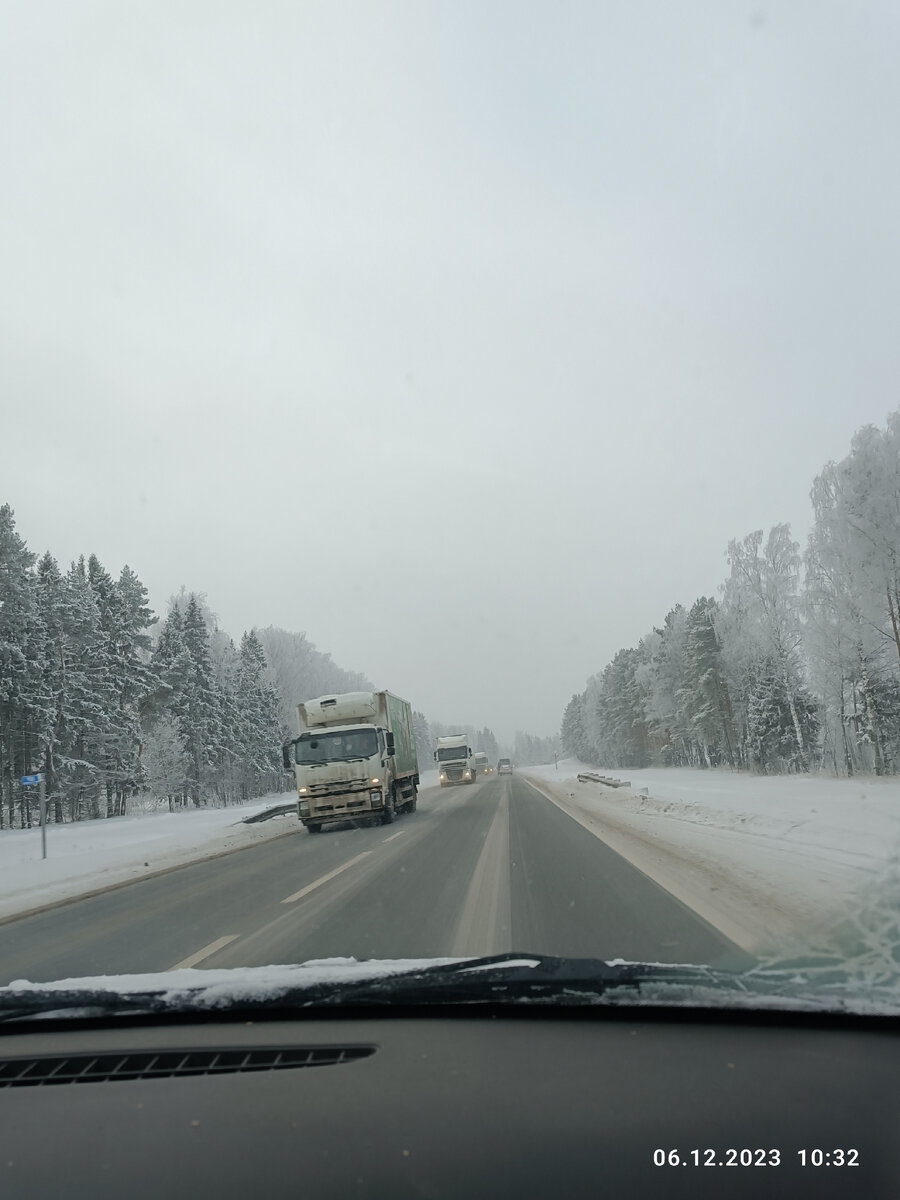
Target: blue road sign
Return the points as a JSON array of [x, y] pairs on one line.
[[30, 779]]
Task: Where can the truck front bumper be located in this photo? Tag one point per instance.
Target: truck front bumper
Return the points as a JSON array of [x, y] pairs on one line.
[[456, 775], [314, 809]]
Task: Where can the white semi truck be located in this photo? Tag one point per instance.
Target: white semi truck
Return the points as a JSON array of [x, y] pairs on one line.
[[482, 766], [355, 756], [455, 760]]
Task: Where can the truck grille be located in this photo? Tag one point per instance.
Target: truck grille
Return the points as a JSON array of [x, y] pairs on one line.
[[361, 785], [346, 806]]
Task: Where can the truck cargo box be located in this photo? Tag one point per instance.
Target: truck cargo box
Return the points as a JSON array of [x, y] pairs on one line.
[[346, 709], [340, 774]]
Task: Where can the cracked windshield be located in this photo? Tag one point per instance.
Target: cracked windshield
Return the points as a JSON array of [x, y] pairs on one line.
[[450, 501]]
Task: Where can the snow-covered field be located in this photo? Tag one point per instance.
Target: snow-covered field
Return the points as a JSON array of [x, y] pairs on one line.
[[778, 863], [91, 855]]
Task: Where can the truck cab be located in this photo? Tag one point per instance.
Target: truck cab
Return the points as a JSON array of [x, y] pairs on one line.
[[355, 755], [482, 766], [455, 760]]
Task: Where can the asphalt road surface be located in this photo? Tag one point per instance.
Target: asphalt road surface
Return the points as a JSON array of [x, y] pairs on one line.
[[478, 869]]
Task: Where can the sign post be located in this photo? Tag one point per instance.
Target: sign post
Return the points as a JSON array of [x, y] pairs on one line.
[[30, 781]]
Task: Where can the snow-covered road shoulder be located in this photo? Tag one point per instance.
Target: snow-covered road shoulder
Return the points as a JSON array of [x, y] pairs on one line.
[[90, 856], [778, 863]]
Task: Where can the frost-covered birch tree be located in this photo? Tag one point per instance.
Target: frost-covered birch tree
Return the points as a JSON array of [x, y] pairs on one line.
[[762, 595]]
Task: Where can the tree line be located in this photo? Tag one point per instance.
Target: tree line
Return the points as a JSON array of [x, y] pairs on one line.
[[107, 712], [794, 667], [88, 700]]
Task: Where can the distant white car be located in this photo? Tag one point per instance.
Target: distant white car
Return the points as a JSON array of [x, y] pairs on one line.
[[504, 766]]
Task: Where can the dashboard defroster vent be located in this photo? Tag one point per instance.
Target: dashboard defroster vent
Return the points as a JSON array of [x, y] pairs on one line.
[[102, 1068]]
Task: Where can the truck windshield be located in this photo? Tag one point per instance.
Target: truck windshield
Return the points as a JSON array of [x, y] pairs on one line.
[[337, 747], [451, 752]]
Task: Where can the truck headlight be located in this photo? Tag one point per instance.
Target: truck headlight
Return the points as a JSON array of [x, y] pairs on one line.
[[375, 797], [302, 791], [443, 776], [303, 808], [375, 780]]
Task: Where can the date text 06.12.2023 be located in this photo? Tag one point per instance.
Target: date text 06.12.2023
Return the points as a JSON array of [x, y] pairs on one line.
[[709, 1157]]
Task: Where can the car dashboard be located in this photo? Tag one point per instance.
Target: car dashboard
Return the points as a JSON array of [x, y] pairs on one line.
[[466, 1102]]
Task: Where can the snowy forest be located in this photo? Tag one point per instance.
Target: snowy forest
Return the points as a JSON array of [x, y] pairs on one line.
[[796, 665], [107, 711]]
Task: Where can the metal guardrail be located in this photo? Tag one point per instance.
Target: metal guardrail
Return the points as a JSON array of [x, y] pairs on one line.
[[590, 777], [277, 810]]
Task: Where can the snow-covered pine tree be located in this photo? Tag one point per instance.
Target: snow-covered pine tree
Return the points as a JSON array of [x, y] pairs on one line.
[[661, 674], [424, 740], [57, 665], [764, 588], [572, 734], [261, 732], [163, 762], [706, 699], [851, 601], [486, 742], [88, 703], [124, 648], [22, 699], [198, 707]]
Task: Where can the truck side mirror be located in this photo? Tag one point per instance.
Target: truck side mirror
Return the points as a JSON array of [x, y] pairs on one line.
[[434, 755], [389, 739], [286, 756]]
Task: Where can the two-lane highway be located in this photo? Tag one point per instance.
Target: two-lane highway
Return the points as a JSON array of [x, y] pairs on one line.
[[477, 870]]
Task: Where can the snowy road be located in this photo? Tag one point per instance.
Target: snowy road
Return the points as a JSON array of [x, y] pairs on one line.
[[476, 870]]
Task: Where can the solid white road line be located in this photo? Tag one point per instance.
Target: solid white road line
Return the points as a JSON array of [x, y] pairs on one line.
[[193, 959], [311, 887]]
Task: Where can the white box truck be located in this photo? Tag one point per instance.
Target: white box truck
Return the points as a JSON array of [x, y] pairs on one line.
[[355, 756], [455, 760]]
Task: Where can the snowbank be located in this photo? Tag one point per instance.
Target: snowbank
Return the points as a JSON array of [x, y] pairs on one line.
[[772, 861], [89, 856]]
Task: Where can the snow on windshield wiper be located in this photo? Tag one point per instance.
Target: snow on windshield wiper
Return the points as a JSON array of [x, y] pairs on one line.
[[498, 980]]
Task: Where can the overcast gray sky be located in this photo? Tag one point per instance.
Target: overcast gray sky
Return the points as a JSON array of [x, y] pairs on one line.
[[460, 336]]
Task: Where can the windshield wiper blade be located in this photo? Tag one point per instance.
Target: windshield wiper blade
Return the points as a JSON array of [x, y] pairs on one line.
[[503, 979], [500, 978]]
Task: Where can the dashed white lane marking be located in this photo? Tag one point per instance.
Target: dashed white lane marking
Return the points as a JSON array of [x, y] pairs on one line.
[[399, 833], [193, 959], [316, 883]]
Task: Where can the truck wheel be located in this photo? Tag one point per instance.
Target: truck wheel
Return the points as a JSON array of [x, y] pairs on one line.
[[388, 812], [314, 827]]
